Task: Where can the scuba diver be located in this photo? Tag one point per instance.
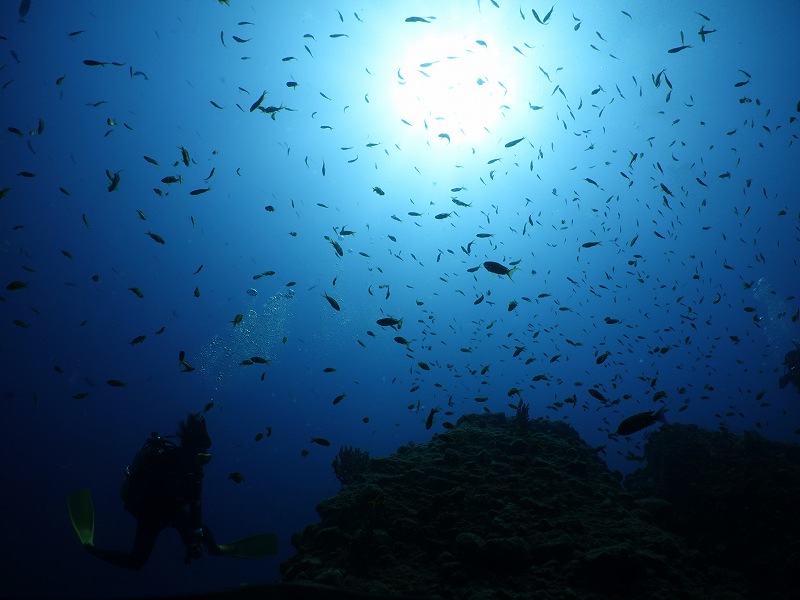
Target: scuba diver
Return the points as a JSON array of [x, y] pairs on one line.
[[163, 488], [791, 367]]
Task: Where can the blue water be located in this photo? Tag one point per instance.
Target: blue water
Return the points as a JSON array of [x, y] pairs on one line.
[[702, 256]]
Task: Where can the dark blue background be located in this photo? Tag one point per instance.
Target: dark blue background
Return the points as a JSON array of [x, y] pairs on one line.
[[716, 241]]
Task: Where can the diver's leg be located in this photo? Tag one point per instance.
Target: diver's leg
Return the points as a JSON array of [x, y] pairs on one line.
[[146, 535], [784, 380], [209, 541]]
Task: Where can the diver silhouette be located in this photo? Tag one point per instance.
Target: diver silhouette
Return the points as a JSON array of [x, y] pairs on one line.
[[791, 367], [163, 488]]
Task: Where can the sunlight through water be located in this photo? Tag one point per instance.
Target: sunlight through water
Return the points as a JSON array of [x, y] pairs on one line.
[[454, 85]]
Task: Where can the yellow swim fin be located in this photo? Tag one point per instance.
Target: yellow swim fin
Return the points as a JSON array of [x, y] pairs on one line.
[[257, 546], [81, 513]]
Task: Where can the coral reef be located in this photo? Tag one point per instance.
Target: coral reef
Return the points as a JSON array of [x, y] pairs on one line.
[[489, 511], [350, 463], [732, 497], [521, 415]]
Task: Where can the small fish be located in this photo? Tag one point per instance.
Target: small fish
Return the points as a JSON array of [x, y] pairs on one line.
[[339, 398], [237, 319], [390, 322], [429, 420], [138, 339], [678, 49], [320, 441], [199, 191], [258, 102], [641, 420], [137, 291], [24, 7], [156, 238], [16, 285], [513, 143], [115, 383], [236, 477], [152, 161], [184, 155], [114, 181], [334, 304], [172, 179], [597, 395], [498, 269], [704, 32], [546, 17], [416, 20], [94, 63]]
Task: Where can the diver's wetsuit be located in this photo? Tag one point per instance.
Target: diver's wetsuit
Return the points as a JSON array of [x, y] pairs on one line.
[[791, 364], [163, 488]]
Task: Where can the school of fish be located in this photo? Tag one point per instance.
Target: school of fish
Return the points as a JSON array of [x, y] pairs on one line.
[[573, 291]]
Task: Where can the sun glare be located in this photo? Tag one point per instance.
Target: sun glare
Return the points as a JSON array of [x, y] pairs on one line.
[[452, 86]]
